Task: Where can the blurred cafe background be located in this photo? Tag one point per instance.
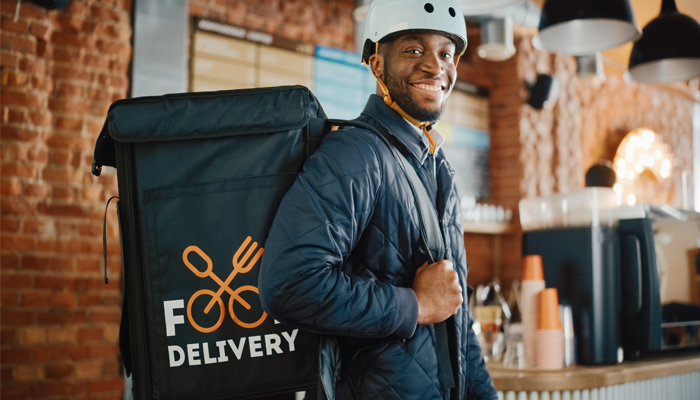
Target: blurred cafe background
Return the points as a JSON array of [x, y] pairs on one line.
[[574, 129]]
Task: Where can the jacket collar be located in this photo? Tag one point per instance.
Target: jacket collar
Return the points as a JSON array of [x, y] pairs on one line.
[[416, 143]]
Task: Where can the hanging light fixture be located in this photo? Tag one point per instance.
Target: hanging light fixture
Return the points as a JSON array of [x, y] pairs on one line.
[[496, 39], [589, 67], [581, 27], [669, 51], [481, 7]]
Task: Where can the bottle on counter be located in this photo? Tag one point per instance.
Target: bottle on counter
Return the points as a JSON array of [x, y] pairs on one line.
[[532, 285]]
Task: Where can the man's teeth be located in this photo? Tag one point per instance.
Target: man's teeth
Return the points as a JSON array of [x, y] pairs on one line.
[[428, 87]]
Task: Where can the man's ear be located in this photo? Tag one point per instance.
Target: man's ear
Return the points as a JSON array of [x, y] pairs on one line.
[[376, 62]]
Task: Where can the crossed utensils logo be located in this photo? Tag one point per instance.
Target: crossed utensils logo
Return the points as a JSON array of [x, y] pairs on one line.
[[239, 260]]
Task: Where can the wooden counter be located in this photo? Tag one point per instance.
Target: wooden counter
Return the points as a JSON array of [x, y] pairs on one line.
[[582, 377]]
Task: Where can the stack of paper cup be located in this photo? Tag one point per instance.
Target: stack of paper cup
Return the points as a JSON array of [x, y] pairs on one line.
[[550, 336], [533, 284]]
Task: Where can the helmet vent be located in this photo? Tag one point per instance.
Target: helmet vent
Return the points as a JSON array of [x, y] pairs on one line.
[[452, 12], [429, 7]]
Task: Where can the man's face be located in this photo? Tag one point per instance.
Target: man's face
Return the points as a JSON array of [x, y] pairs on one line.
[[419, 71]]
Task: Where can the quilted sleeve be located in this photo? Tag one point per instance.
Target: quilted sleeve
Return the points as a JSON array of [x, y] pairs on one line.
[[317, 225]]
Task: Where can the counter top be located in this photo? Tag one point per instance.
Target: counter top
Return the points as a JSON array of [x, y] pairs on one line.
[[583, 377]]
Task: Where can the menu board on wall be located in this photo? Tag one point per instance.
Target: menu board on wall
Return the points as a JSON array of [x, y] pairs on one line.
[[229, 57]]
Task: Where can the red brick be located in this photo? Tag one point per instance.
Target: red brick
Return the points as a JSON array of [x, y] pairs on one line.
[[71, 90], [62, 300], [21, 99], [71, 105], [35, 263], [10, 225], [58, 371], [69, 123], [36, 66], [66, 157], [17, 207], [63, 194], [13, 115], [10, 188], [104, 385], [19, 170], [35, 299], [42, 83], [46, 282], [89, 300], [40, 119], [6, 374], [90, 334], [10, 25], [41, 31], [21, 134], [62, 335], [9, 59], [60, 210], [15, 392], [13, 318], [17, 43], [61, 317], [7, 336], [44, 50], [92, 194], [13, 281], [9, 262], [58, 388], [73, 22], [103, 351], [13, 78], [105, 317], [9, 298], [15, 356], [17, 243], [53, 174], [39, 155], [51, 246], [103, 13], [37, 190]]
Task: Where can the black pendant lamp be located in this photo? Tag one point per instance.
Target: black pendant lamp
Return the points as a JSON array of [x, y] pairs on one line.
[[669, 51], [581, 27]]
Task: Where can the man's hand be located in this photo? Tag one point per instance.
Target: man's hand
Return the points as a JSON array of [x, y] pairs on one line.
[[438, 291]]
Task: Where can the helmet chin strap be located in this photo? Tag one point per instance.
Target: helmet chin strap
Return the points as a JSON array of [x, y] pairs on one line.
[[425, 126]]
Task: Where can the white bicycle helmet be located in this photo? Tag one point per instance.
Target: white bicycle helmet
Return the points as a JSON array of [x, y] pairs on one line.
[[387, 19]]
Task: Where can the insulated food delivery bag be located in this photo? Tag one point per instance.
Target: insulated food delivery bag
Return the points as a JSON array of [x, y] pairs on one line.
[[200, 177]]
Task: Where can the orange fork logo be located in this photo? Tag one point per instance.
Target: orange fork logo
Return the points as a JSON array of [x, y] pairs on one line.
[[239, 266]]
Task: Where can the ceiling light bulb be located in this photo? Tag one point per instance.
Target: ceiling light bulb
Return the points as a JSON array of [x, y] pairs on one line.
[[631, 200]]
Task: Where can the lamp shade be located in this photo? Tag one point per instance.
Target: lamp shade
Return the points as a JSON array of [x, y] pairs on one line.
[[481, 7], [669, 51], [496, 39], [581, 27]]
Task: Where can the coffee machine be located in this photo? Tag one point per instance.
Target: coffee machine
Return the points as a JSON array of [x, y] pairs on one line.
[[602, 258]]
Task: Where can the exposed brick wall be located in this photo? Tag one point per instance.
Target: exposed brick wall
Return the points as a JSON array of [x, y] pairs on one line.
[[325, 22], [60, 72]]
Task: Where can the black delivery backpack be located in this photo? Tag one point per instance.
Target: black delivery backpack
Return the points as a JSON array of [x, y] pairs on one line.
[[200, 178]]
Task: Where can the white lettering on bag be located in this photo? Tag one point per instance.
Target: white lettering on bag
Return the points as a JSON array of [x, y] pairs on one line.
[[172, 350], [272, 342], [170, 318], [193, 354], [238, 351], [222, 351], [255, 346], [291, 339], [205, 352]]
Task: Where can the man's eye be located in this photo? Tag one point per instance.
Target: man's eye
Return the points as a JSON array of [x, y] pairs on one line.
[[447, 55], [414, 51]]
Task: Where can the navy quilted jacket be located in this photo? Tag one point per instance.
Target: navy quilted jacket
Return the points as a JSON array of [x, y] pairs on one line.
[[341, 257]]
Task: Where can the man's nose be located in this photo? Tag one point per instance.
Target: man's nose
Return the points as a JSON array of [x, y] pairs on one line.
[[432, 64]]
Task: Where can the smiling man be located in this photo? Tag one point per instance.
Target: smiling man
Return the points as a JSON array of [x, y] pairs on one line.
[[345, 256]]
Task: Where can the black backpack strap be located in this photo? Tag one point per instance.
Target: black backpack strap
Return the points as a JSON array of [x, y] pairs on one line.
[[427, 215], [432, 238]]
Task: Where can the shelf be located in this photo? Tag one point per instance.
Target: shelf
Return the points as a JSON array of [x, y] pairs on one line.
[[489, 228]]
